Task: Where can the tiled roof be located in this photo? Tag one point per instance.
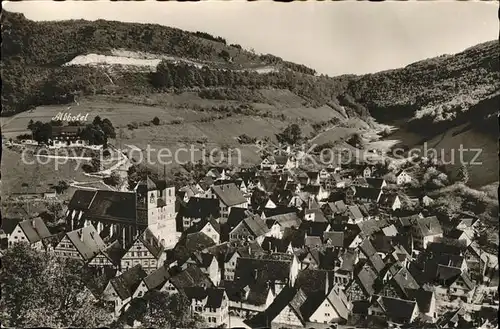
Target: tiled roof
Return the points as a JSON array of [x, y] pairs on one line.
[[375, 182], [191, 276], [256, 225], [34, 229], [214, 296], [114, 252], [335, 239], [397, 310], [151, 243], [229, 194], [87, 242], [354, 213], [126, 284], [429, 226], [271, 267], [367, 277], [290, 219], [157, 278]]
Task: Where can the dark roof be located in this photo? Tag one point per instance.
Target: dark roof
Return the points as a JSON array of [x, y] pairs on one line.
[[375, 182], [34, 229], [157, 278], [366, 278], [110, 205], [314, 228], [273, 267], [269, 212], [126, 284], [114, 252], [191, 276], [151, 243], [229, 194], [382, 243], [236, 215], [428, 226], [201, 208], [387, 200], [422, 297], [335, 239], [274, 244], [81, 200], [87, 242], [214, 296], [397, 310], [289, 296], [197, 241], [369, 193]]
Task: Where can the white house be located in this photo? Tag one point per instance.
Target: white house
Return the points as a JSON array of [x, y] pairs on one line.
[[403, 177]]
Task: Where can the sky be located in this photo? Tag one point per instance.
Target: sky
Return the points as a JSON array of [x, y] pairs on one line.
[[332, 37]]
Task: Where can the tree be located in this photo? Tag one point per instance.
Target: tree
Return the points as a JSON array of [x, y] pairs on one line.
[[156, 121], [290, 135], [463, 174], [42, 290], [356, 140], [114, 179]]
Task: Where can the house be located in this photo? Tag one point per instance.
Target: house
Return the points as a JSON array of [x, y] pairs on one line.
[[121, 289], [278, 223], [272, 244], [426, 301], [216, 173], [368, 171], [249, 229], [354, 214], [427, 200], [109, 257], [465, 236], [210, 227], [185, 276], [332, 307], [285, 162], [208, 264], [425, 230], [331, 209], [378, 183], [189, 191], [315, 215], [402, 177], [31, 231], [396, 310], [317, 191], [249, 297], [275, 268], [313, 178], [286, 311], [82, 244], [196, 210], [390, 201], [212, 304], [368, 194], [229, 196], [146, 251]]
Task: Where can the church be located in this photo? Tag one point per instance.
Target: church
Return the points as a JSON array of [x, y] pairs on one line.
[[123, 216]]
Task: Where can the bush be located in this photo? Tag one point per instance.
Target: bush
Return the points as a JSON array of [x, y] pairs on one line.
[[133, 125], [156, 121], [245, 139]]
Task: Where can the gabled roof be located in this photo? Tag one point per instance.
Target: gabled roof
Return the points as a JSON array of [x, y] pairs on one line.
[[290, 219], [114, 252], [314, 228], [272, 267], [354, 213], [108, 205], [191, 276], [197, 241], [229, 194], [335, 239], [289, 296], [146, 185], [428, 226], [375, 182], [214, 296], [397, 310], [366, 278], [126, 284], [339, 302], [255, 225], [201, 208], [34, 229], [157, 278], [388, 200], [151, 243], [87, 242], [274, 244], [370, 193]]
